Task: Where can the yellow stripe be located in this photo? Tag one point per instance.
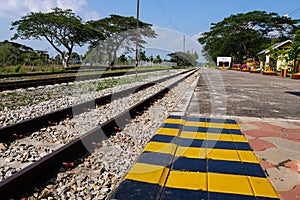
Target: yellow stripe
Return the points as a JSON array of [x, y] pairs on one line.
[[193, 135], [225, 126], [233, 126], [239, 138], [168, 131], [148, 173], [219, 137], [262, 187], [192, 123], [227, 183], [223, 154], [216, 154], [191, 152], [160, 147], [174, 121], [212, 125], [248, 156], [213, 136], [187, 180]]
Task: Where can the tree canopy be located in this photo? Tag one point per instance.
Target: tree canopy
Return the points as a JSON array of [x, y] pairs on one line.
[[120, 32], [12, 53], [294, 51], [61, 28], [243, 35], [184, 58]]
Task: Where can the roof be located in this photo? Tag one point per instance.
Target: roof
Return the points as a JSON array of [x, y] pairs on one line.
[[275, 46]]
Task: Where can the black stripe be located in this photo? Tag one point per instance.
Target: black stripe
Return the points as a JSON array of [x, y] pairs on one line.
[[195, 119], [217, 166], [221, 121], [185, 142], [189, 164], [266, 198], [243, 146], [225, 167], [227, 196], [174, 193], [216, 144], [163, 138], [212, 130], [254, 169], [133, 190], [175, 126], [176, 117], [154, 158]]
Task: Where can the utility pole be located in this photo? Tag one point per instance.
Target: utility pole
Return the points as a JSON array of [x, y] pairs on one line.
[[184, 43], [137, 37]]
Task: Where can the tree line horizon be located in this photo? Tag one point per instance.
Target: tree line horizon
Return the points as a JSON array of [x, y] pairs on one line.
[[239, 36]]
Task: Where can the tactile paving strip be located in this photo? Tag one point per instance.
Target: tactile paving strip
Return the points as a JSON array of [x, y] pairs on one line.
[[197, 158]]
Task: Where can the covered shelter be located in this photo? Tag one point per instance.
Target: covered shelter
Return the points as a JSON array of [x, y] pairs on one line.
[[224, 61], [285, 45]]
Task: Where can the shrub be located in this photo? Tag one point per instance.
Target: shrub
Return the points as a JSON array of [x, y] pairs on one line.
[[17, 69]]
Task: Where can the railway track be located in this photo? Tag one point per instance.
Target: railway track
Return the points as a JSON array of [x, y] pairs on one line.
[[67, 71], [84, 145], [11, 85], [20, 129]]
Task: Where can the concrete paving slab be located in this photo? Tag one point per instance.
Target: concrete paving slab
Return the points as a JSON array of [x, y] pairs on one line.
[[279, 177], [262, 133], [284, 144], [293, 194], [265, 164], [286, 125], [248, 127], [293, 165], [260, 144], [276, 155]]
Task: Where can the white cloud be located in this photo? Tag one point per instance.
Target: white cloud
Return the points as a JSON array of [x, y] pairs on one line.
[[197, 36], [93, 15], [13, 9], [171, 41], [75, 5]]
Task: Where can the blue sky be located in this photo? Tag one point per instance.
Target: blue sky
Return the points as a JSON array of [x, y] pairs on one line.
[[189, 17]]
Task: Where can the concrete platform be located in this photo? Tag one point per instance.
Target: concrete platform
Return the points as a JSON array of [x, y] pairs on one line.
[[276, 142], [197, 158], [259, 106]]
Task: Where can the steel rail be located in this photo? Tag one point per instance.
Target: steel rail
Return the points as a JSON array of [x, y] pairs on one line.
[[67, 71], [26, 179], [12, 85], [22, 128]]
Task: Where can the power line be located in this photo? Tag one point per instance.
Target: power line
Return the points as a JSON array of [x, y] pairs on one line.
[[167, 15], [296, 10]]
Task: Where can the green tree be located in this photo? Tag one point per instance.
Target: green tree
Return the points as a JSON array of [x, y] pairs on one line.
[[122, 59], [61, 28], [120, 32], [5, 52], [278, 54], [12, 53], [74, 56], [142, 56], [151, 59], [243, 35], [157, 60], [184, 59], [294, 51]]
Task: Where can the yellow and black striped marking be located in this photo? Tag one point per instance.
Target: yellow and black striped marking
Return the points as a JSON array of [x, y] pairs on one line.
[[197, 158]]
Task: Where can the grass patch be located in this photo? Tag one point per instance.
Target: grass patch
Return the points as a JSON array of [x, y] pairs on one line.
[[115, 82]]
